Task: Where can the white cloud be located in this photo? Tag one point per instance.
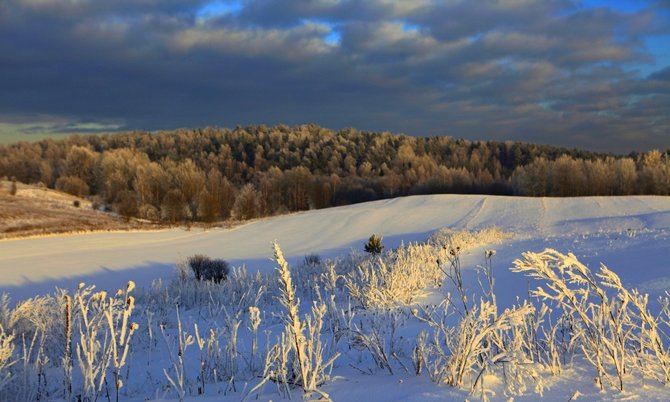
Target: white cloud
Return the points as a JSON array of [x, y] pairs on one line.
[[300, 42]]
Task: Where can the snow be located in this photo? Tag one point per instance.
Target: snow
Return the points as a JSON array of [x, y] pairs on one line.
[[34, 266], [631, 235]]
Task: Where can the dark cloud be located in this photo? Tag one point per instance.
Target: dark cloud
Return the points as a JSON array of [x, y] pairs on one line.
[[550, 71], [662, 75]]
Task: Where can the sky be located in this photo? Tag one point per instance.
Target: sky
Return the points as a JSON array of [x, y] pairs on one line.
[[579, 73]]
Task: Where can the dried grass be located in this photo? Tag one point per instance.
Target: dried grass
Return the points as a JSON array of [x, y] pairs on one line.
[[35, 212]]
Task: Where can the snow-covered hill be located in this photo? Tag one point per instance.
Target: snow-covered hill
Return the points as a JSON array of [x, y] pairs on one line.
[[631, 235], [35, 266]]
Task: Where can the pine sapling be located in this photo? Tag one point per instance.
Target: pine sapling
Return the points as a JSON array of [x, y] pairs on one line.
[[374, 245]]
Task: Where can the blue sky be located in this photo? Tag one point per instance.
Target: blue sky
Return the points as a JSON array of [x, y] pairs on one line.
[[591, 74], [621, 5], [658, 44], [219, 8]]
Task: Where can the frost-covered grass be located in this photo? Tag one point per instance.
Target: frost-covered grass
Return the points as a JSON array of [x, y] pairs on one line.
[[418, 312]]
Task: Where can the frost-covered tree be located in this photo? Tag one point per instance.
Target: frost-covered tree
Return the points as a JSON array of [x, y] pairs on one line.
[[246, 204]]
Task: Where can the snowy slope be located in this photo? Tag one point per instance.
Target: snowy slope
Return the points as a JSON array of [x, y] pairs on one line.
[[34, 266], [631, 235]]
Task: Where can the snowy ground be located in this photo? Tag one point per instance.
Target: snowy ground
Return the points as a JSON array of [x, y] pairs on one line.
[[620, 225], [631, 235]]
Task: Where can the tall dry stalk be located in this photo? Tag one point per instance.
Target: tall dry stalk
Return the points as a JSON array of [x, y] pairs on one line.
[[67, 357], [178, 380], [120, 332], [254, 323], [309, 356], [6, 357]]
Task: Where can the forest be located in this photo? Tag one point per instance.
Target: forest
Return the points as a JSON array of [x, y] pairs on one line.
[[214, 174]]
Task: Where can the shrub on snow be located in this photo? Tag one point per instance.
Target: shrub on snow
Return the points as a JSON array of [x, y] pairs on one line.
[[207, 269]]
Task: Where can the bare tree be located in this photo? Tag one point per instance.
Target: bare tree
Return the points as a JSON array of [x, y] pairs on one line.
[[246, 204], [190, 180], [174, 205]]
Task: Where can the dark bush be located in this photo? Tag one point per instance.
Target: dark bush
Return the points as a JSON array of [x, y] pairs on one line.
[[126, 204], [312, 260], [148, 211], [207, 269], [197, 264], [72, 185], [76, 203]]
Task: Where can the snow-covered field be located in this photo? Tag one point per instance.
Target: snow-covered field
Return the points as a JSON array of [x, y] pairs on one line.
[[33, 266], [630, 235]]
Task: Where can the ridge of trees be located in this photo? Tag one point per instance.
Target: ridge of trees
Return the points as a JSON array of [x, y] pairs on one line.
[[212, 174]]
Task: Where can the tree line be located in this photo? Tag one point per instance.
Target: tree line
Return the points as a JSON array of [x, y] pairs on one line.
[[212, 174]]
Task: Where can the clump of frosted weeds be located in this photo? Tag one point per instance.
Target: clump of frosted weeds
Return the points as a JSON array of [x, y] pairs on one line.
[[120, 331], [93, 347], [616, 331], [461, 356], [465, 239], [379, 336], [39, 315], [483, 340], [395, 279], [400, 276], [301, 349]]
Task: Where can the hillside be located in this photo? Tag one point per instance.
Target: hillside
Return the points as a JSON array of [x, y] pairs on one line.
[[66, 260], [376, 310], [38, 211]]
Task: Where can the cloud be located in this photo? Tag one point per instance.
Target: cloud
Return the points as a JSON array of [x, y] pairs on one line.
[[35, 127], [297, 43], [662, 75], [550, 71]]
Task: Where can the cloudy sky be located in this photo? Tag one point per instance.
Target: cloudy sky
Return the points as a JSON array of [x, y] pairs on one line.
[[584, 73]]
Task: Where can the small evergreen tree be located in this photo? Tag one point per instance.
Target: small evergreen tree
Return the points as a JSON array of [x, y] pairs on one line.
[[374, 245]]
